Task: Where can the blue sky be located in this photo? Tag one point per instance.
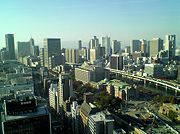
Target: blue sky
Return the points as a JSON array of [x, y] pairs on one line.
[[72, 20]]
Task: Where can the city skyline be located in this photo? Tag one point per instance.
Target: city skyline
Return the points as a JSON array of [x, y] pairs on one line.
[[81, 20]]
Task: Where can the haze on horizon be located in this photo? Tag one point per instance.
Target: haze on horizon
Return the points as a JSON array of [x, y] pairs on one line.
[[81, 19]]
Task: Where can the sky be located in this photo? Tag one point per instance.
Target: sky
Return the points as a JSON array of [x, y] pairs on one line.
[[73, 20]]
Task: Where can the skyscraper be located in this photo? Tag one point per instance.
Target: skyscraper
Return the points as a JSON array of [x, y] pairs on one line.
[[65, 88], [52, 49], [156, 44], [143, 46], [94, 42], [116, 46], [106, 42], [24, 49], [80, 44], [41, 54], [10, 46], [135, 46], [170, 45]]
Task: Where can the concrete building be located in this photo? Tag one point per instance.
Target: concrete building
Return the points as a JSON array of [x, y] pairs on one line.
[[106, 42], [65, 88], [85, 111], [135, 46], [101, 123], [156, 45], [10, 47], [170, 45], [116, 47], [116, 62], [87, 73], [75, 112], [52, 48], [121, 90], [22, 115], [154, 70], [53, 97], [72, 56]]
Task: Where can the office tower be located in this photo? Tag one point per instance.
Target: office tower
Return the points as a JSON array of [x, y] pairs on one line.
[[65, 88], [24, 49], [170, 45], [156, 45], [53, 97], [79, 44], [22, 115], [94, 42], [41, 54], [135, 46], [10, 46], [106, 42], [52, 48], [116, 46], [116, 62], [101, 122], [143, 46], [72, 55]]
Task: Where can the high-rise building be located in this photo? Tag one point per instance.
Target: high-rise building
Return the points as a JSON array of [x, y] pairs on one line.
[[79, 44], [52, 47], [116, 46], [144, 46], [53, 97], [156, 45], [10, 46], [24, 49], [94, 42], [154, 70], [170, 45], [23, 115], [65, 88], [106, 42], [41, 54], [116, 62], [135, 46], [72, 55], [127, 49]]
